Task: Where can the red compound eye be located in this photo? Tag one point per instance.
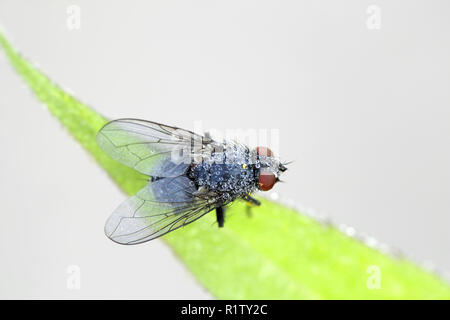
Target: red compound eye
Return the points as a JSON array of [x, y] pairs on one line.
[[264, 151], [266, 180]]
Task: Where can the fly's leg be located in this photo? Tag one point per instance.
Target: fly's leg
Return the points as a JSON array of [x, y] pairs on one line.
[[251, 202], [220, 215]]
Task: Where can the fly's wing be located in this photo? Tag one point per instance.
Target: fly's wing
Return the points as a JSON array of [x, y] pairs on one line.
[[147, 146], [162, 206]]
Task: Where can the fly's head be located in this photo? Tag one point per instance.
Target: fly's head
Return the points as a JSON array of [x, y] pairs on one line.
[[268, 167]]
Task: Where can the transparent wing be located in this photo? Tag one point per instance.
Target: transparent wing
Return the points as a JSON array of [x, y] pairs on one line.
[[162, 206], [146, 146]]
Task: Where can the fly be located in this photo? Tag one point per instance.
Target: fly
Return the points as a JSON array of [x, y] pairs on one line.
[[189, 176]]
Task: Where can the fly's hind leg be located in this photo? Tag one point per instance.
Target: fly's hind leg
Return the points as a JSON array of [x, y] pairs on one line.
[[220, 215]]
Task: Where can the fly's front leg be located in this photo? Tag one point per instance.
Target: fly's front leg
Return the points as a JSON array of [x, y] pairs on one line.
[[220, 215], [251, 200]]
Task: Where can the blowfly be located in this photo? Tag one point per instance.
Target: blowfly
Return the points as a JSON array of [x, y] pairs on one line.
[[189, 175]]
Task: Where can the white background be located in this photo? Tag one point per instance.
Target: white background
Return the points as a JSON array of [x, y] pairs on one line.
[[363, 113]]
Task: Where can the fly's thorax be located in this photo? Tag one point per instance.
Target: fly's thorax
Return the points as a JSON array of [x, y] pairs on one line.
[[229, 174], [233, 170]]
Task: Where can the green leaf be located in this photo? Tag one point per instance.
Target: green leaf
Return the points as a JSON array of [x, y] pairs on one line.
[[272, 253]]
